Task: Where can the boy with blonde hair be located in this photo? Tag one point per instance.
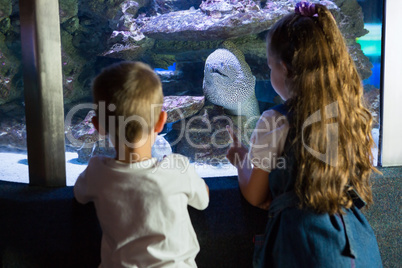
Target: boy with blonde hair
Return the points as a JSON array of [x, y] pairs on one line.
[[141, 203]]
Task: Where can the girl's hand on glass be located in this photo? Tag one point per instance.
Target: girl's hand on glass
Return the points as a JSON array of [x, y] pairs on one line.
[[237, 151]]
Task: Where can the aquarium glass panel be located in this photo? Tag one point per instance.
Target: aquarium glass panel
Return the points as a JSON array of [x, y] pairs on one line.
[[13, 151], [371, 44], [193, 46], [209, 55]]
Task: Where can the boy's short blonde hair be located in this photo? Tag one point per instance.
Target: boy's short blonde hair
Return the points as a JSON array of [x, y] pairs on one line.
[[129, 98]]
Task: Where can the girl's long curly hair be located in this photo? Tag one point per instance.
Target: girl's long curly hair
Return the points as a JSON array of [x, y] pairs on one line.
[[333, 128]]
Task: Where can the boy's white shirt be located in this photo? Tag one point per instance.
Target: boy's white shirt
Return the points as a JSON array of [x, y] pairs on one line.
[[142, 209]]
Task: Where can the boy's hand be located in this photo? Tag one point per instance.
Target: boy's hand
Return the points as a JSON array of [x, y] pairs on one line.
[[237, 151]]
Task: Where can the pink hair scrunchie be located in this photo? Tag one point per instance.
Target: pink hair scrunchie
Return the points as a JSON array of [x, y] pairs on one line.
[[306, 9]]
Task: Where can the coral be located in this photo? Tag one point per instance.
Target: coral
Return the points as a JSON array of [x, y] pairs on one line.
[[10, 68], [159, 32], [166, 6], [5, 25], [181, 107], [227, 6], [73, 63], [67, 10], [350, 19], [363, 64], [372, 102], [161, 60], [71, 25], [6, 7]]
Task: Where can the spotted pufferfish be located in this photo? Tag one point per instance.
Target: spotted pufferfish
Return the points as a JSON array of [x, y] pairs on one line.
[[228, 81]]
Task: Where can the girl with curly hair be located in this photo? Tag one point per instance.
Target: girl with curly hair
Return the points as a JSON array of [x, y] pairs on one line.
[[310, 158]]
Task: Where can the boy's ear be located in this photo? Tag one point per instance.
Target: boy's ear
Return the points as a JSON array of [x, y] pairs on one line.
[[161, 122], [100, 129], [284, 68]]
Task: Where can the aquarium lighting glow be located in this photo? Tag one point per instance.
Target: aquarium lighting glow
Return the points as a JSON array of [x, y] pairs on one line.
[[171, 68], [371, 42]]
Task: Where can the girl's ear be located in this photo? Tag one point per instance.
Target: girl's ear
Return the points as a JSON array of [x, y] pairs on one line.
[[161, 122]]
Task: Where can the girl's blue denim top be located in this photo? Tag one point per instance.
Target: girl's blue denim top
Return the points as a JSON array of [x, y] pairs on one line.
[[299, 237]]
